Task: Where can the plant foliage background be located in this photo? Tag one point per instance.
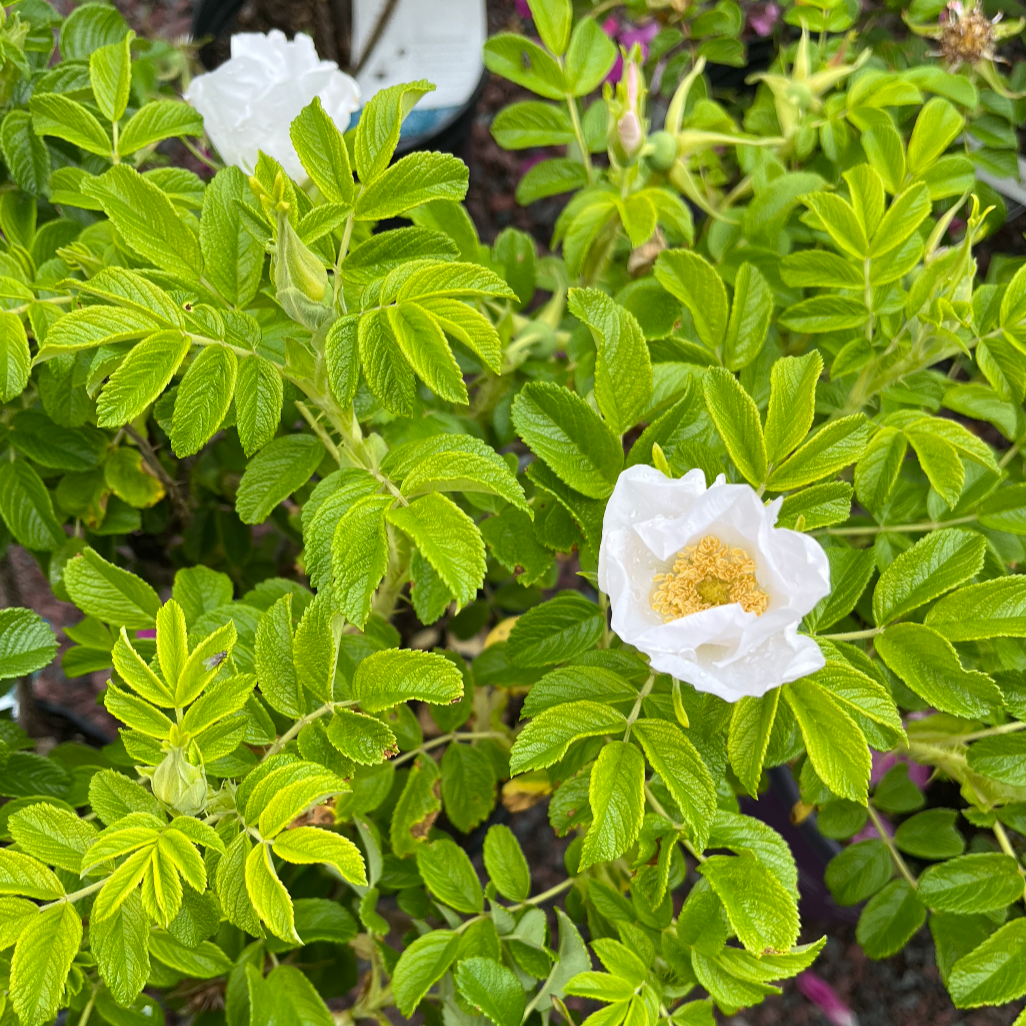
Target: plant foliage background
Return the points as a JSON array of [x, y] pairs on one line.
[[779, 286]]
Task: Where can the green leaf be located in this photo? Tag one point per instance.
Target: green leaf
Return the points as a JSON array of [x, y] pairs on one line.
[[53, 835], [762, 913], [306, 844], [377, 134], [552, 19], [617, 797], [58, 115], [531, 123], [836, 445], [850, 570], [143, 375], [555, 631], [751, 725], [489, 988], [623, 370], [461, 463], [364, 739], [359, 556], [423, 344], [936, 128], [412, 180], [993, 609], [23, 875], [930, 666], [694, 281], [550, 178], [1000, 758], [420, 966], [589, 58], [119, 944], [993, 973], [15, 358], [449, 875], [259, 392], [468, 786], [877, 470], [683, 772], [737, 420], [388, 374], [448, 539], [903, 217], [109, 593], [526, 63], [930, 835], [204, 962], [159, 120], [935, 564], [569, 436], [27, 508], [385, 679], [505, 863], [836, 746], [27, 643], [281, 467], [546, 738], [822, 314], [233, 259], [840, 221], [750, 315], [24, 153], [204, 395], [323, 153], [110, 74], [147, 220], [274, 658], [268, 894], [889, 920], [981, 882], [41, 963], [859, 871]]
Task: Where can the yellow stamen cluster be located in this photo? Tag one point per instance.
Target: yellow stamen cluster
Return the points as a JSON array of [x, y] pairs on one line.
[[708, 574]]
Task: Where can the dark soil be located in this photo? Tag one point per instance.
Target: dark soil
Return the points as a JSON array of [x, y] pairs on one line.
[[901, 991]]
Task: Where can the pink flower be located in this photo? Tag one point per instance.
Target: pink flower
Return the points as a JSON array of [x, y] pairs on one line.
[[763, 20], [643, 36], [815, 989], [523, 10], [149, 634]]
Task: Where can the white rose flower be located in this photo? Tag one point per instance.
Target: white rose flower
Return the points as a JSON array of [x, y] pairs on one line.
[[249, 102], [702, 582]]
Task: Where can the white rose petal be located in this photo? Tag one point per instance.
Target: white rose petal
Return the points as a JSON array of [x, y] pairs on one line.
[[723, 649], [249, 102]]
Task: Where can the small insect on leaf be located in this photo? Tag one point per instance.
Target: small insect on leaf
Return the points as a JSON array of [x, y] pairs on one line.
[[212, 662]]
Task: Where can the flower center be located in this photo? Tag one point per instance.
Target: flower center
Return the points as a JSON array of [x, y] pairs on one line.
[[708, 574]]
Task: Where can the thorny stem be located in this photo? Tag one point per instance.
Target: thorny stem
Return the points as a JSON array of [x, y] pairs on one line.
[[435, 742], [149, 455], [892, 848]]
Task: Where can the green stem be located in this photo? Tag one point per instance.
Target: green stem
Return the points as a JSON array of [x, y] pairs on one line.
[[636, 711], [1005, 728], [895, 854], [871, 632], [74, 896], [582, 145], [296, 727], [540, 899], [657, 807], [925, 525], [342, 251], [83, 1019], [1006, 846], [442, 739]]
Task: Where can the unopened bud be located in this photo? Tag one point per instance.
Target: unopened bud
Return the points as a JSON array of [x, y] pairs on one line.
[[295, 265], [630, 133], [662, 151], [180, 784]]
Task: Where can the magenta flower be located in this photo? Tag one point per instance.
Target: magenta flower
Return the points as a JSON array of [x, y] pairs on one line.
[[149, 634], [815, 989], [523, 10], [763, 18]]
